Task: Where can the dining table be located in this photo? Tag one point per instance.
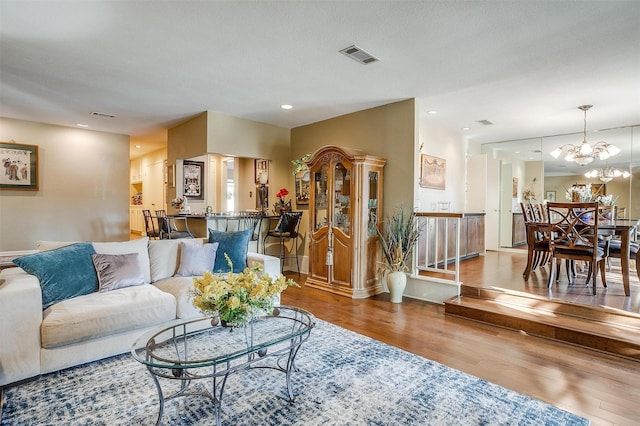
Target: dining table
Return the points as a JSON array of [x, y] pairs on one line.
[[626, 229]]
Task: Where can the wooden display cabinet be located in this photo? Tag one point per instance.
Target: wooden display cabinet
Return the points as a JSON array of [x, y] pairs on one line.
[[345, 209]]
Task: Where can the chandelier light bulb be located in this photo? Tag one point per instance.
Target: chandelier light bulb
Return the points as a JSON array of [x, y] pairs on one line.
[[612, 150], [556, 152], [585, 148]]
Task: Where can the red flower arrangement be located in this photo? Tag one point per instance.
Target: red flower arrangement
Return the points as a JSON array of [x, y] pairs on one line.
[[282, 205], [282, 193]]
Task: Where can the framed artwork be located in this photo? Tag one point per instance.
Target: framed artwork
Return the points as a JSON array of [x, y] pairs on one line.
[[261, 169], [20, 163], [193, 177], [550, 196], [303, 179], [432, 172], [514, 190], [598, 189], [170, 179]]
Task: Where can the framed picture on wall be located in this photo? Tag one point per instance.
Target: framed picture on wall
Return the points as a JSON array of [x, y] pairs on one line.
[[20, 166], [303, 179], [514, 190], [170, 179], [193, 177], [550, 196], [433, 171], [261, 170]]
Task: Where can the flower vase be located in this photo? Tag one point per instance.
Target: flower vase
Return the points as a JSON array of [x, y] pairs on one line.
[[396, 282]]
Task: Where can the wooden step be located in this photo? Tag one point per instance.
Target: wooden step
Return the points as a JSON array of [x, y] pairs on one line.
[[601, 328]]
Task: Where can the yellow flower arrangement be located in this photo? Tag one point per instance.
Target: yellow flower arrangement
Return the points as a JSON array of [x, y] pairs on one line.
[[237, 297]]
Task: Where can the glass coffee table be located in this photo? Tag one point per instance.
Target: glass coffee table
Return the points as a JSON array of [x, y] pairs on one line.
[[190, 350]]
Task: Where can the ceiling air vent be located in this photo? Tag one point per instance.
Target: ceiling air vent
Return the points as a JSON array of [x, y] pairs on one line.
[[485, 122], [103, 114], [359, 55]]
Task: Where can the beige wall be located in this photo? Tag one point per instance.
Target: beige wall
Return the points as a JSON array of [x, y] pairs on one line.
[[387, 131], [215, 133], [84, 182]]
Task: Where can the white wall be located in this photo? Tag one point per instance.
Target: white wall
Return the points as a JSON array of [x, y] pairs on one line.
[[442, 143], [84, 187]]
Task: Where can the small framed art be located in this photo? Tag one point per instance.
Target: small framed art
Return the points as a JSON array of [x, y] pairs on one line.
[[193, 177], [20, 166], [433, 171]]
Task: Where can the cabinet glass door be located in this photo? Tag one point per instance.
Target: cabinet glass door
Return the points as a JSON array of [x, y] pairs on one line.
[[321, 193], [342, 198], [372, 204]]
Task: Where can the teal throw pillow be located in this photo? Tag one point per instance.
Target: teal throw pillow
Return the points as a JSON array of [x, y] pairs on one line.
[[64, 273], [235, 245]]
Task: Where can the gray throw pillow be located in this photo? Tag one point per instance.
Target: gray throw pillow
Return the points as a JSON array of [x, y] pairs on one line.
[[195, 259], [117, 271]]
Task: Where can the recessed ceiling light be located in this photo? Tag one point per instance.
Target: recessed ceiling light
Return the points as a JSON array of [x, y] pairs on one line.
[[465, 128], [137, 146], [517, 152], [82, 125], [286, 106], [432, 112]]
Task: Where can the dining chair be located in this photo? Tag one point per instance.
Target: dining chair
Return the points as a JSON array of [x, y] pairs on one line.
[[286, 229], [149, 225], [612, 245], [574, 236], [168, 228], [538, 250]]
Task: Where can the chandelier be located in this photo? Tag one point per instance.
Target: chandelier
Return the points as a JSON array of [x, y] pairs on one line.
[[585, 153], [607, 174]]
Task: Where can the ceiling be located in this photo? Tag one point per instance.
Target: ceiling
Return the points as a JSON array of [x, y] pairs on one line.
[[523, 65]]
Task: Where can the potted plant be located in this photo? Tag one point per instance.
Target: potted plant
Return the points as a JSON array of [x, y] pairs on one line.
[[397, 237]]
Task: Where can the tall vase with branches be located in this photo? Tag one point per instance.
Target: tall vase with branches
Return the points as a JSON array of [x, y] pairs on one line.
[[398, 237]]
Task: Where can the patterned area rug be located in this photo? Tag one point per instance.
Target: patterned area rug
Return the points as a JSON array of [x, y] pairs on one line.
[[344, 379]]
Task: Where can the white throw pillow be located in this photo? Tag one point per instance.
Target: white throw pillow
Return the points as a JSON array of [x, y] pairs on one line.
[[164, 256], [195, 259]]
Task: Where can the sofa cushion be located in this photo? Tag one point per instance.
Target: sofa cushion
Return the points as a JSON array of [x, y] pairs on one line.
[[180, 288], [63, 273], [117, 271], [235, 245], [164, 257], [195, 259], [139, 246], [101, 314]]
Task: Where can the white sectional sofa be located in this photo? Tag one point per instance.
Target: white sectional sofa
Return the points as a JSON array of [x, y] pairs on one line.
[[89, 327]]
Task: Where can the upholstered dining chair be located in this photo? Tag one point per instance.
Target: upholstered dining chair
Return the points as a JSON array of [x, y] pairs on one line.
[[286, 229], [573, 236], [149, 225], [168, 228]]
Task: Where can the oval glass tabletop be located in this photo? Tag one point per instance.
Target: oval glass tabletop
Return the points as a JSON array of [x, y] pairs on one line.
[[186, 344]]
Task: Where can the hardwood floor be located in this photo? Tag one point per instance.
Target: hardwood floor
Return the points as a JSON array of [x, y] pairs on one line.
[[600, 387]]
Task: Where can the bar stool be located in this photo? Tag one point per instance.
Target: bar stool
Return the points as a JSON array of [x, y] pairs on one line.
[[286, 229]]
